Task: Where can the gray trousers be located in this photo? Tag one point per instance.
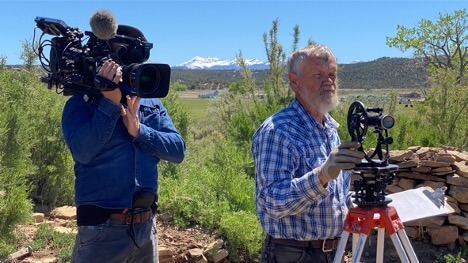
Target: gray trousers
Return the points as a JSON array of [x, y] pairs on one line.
[[279, 253], [116, 242]]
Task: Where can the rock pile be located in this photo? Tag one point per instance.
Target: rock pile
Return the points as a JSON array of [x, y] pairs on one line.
[[436, 168], [213, 253]]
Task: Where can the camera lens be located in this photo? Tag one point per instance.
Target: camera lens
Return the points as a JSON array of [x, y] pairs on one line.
[[388, 122], [150, 80]]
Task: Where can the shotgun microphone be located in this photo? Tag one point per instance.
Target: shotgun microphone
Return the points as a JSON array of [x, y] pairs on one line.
[[103, 24]]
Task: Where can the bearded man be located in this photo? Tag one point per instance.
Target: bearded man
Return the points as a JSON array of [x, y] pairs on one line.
[[302, 188]]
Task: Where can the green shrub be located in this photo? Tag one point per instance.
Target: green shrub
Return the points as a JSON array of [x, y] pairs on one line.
[[243, 231], [15, 207], [54, 177], [211, 186], [31, 141], [452, 258], [6, 248], [46, 236]]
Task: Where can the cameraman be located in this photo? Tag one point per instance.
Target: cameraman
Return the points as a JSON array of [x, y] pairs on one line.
[[116, 143], [301, 187]]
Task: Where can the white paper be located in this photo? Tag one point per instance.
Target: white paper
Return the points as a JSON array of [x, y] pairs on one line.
[[414, 204]]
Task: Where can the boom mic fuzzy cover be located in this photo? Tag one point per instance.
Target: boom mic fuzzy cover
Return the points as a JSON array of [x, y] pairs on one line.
[[103, 24]]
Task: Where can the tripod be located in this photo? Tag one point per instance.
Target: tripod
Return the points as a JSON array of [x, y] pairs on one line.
[[385, 219]]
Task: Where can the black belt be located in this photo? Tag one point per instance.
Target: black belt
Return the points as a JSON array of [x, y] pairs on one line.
[[93, 215], [327, 245]]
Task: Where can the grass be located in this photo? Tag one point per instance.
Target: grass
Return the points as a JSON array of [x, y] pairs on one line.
[[452, 258], [197, 107], [47, 237]]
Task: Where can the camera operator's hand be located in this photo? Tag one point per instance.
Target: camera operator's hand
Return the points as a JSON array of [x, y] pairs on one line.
[[130, 115], [343, 157], [112, 71]]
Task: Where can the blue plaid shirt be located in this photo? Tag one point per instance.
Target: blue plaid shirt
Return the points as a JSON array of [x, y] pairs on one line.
[[290, 200]]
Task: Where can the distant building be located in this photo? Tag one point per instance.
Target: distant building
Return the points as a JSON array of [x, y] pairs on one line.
[[208, 95], [408, 98], [409, 95]]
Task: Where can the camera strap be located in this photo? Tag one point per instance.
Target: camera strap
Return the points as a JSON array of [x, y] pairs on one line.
[[104, 84]]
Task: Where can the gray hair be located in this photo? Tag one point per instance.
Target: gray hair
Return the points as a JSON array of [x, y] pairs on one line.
[[312, 51]]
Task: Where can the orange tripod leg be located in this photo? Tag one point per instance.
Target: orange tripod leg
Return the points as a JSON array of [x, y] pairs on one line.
[[360, 220]]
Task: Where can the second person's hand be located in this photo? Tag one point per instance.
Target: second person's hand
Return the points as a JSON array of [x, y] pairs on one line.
[[130, 115]]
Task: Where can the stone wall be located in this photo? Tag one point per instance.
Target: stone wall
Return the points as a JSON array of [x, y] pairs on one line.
[[436, 168]]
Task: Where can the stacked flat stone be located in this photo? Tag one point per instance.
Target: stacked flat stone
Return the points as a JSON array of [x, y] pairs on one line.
[[436, 168]]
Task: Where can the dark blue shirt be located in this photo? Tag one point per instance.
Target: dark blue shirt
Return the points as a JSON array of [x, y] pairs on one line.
[[110, 165]]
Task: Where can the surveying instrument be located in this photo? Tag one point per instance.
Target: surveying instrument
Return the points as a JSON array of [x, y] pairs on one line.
[[372, 210]]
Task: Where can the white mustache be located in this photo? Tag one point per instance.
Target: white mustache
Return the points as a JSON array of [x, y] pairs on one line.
[[327, 89]]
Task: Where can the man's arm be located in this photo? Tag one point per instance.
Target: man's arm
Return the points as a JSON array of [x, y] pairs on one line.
[[159, 137], [86, 131], [278, 191]]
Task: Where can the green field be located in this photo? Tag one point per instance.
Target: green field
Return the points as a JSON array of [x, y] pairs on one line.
[[197, 107]]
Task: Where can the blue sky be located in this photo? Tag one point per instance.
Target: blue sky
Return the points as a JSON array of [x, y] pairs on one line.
[[180, 30]]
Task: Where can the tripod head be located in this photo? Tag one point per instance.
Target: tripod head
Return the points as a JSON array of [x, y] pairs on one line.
[[374, 171]]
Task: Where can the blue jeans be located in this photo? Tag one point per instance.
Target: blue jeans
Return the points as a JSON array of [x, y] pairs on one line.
[[279, 253], [112, 242]]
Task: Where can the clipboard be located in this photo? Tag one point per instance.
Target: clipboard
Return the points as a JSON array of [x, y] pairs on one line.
[[420, 203]]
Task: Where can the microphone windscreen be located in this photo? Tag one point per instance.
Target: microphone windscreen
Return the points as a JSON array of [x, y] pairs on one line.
[[103, 24]]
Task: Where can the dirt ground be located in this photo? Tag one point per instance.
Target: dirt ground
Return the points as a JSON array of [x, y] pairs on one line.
[[171, 237], [180, 241]]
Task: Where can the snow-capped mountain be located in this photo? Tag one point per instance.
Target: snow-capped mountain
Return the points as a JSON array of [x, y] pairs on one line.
[[216, 63]]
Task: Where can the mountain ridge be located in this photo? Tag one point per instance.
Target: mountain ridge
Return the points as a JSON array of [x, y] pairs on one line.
[[214, 63], [382, 73]]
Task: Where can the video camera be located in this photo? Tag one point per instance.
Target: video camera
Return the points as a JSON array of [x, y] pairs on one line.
[[72, 66]]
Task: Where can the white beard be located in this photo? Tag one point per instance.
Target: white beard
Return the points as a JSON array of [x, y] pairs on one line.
[[325, 104], [325, 101]]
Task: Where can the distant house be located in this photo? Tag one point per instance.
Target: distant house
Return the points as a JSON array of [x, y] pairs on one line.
[[208, 95], [408, 98], [409, 95]]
